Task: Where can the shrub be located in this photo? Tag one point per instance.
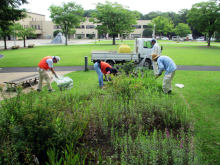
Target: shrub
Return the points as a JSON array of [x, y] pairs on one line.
[[90, 36], [79, 37]]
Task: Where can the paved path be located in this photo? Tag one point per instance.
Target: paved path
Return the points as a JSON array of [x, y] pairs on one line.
[[81, 68]]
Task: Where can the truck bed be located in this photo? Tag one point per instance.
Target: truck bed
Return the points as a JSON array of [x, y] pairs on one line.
[[113, 55]]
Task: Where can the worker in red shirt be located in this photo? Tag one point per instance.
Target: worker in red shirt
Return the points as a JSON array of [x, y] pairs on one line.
[[45, 64], [106, 68]]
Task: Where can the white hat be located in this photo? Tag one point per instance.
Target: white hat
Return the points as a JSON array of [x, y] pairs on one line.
[[57, 58]]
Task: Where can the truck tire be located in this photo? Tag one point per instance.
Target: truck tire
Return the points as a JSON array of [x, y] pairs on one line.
[[111, 63], [147, 63]]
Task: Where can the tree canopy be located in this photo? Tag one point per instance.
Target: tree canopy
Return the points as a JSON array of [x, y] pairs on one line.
[[162, 25], [68, 16], [114, 18], [9, 14], [205, 17], [182, 30]]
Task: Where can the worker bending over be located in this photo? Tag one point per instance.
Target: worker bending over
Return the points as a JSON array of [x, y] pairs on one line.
[[45, 64], [167, 64]]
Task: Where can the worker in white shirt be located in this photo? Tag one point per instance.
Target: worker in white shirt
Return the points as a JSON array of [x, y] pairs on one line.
[[157, 50]]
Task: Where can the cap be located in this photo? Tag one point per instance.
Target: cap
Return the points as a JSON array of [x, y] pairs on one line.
[[153, 40]]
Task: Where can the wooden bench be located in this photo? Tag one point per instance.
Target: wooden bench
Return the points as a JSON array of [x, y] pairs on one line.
[[15, 47], [30, 45], [26, 81]]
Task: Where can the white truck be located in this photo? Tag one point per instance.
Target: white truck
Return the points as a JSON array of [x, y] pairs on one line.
[[142, 51]]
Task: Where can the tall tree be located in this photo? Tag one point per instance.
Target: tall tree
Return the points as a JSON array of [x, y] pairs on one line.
[[25, 32], [182, 30], [162, 25], [9, 14], [68, 16], [205, 17], [115, 19]]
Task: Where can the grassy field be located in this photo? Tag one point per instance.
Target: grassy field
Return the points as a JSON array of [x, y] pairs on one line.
[[183, 53], [201, 93]]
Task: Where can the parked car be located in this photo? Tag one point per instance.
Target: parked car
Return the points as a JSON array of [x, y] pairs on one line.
[[200, 39], [176, 38], [116, 38], [157, 37], [164, 38]]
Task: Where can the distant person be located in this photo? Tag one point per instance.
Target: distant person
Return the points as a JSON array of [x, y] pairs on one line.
[[157, 50], [97, 68], [167, 64], [45, 64]]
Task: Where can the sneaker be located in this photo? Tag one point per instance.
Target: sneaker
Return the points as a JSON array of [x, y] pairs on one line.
[[51, 90], [102, 87], [39, 90]]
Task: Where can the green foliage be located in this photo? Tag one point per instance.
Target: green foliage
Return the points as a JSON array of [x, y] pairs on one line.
[[163, 25], [79, 37], [115, 19], [25, 32], [68, 16], [90, 36], [56, 32], [182, 30], [147, 32], [128, 67], [205, 17]]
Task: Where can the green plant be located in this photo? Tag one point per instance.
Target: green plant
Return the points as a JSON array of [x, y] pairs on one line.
[[90, 36], [79, 37]]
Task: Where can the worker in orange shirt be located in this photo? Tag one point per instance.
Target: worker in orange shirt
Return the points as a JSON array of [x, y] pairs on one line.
[[45, 64]]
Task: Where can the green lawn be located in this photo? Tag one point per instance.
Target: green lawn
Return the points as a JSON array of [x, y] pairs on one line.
[[201, 93], [183, 53]]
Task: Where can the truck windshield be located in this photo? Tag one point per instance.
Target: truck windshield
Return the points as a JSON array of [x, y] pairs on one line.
[[147, 44]]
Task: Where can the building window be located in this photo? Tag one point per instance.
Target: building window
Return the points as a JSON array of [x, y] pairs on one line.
[[22, 26], [39, 27], [90, 26], [32, 25], [35, 26], [32, 19], [26, 26], [57, 27], [80, 27], [137, 26], [145, 26]]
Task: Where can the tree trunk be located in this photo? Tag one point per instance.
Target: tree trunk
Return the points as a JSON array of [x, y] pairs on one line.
[[24, 42], [5, 42], [113, 39], [66, 39]]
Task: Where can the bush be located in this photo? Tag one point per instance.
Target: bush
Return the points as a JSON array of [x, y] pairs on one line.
[[79, 37], [90, 36]]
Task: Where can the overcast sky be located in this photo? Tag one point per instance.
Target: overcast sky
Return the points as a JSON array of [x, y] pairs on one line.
[[143, 6]]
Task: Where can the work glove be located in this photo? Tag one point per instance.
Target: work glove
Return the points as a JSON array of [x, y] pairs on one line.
[[159, 74], [55, 75]]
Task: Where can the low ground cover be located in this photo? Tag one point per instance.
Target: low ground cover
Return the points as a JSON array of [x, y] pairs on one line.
[[131, 122], [183, 53]]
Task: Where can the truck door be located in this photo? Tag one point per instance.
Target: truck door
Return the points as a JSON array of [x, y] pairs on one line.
[[146, 49]]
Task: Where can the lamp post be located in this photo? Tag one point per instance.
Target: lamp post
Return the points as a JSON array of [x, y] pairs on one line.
[[154, 30], [95, 33]]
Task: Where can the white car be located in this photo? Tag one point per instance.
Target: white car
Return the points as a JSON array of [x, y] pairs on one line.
[[116, 38], [200, 39], [164, 38]]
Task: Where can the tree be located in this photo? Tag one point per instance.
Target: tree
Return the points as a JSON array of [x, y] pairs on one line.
[[205, 17], [182, 30], [25, 32], [56, 32], [68, 16], [163, 25], [115, 19], [147, 32], [9, 14]]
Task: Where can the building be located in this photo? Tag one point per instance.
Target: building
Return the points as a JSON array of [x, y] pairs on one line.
[[45, 29]]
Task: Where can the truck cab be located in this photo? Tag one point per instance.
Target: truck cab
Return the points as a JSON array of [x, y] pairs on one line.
[[143, 47]]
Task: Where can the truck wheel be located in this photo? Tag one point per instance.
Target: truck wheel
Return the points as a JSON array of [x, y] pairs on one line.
[[110, 63], [147, 63]]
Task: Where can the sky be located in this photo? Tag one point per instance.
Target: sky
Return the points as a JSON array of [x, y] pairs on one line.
[[143, 6]]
